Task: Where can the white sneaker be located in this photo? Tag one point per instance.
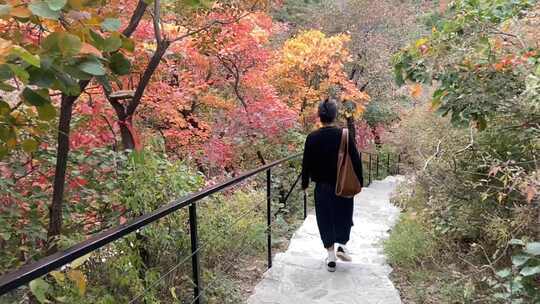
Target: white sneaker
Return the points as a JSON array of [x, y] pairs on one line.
[[342, 254], [331, 260], [330, 265]]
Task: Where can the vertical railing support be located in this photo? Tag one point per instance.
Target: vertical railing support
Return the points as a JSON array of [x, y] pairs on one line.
[[388, 165], [369, 170], [269, 216], [195, 263], [377, 165], [398, 161], [305, 204]]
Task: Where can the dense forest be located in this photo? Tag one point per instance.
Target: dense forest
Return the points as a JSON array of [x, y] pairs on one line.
[[111, 109]]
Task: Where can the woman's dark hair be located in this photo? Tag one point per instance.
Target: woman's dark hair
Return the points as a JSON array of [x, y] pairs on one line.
[[327, 111]]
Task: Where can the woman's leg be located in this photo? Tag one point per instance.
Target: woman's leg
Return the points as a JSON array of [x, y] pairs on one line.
[[344, 208], [325, 221], [324, 212]]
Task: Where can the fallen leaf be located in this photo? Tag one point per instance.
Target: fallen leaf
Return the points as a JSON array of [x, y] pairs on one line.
[[494, 170], [531, 193], [79, 279], [416, 90]]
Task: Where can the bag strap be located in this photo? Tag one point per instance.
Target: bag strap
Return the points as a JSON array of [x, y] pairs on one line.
[[344, 141]]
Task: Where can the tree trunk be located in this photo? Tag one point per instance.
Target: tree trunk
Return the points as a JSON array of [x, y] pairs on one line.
[[128, 141], [138, 13], [147, 76], [55, 210], [377, 138], [124, 113], [62, 153], [352, 129]]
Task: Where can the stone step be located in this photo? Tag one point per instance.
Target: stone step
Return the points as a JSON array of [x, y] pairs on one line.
[[295, 280]]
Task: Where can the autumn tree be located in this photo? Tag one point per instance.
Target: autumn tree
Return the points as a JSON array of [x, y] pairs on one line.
[[170, 26], [311, 67], [52, 46], [209, 73]]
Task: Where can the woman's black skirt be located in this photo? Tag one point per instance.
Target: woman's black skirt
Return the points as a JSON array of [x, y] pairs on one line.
[[334, 215]]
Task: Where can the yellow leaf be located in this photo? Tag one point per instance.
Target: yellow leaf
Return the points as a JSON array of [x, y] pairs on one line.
[[171, 28], [11, 142], [506, 25], [20, 12], [173, 293], [76, 4], [79, 279], [30, 145], [58, 276], [359, 110], [53, 25], [420, 42], [94, 20], [5, 49], [89, 49], [78, 262], [497, 44]]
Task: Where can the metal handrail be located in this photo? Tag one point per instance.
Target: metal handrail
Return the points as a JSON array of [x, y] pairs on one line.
[[29, 272]]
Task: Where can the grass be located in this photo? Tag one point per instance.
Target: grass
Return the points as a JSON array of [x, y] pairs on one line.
[[429, 285], [409, 243], [423, 272]]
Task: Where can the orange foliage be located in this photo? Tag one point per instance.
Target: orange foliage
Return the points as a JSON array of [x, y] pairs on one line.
[[310, 66]]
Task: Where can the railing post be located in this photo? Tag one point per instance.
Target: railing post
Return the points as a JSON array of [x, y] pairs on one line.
[[388, 165], [398, 161], [269, 216], [195, 263], [369, 170], [377, 166], [305, 205]]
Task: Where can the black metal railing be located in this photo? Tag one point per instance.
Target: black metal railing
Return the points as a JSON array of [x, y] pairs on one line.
[[29, 272], [379, 164]]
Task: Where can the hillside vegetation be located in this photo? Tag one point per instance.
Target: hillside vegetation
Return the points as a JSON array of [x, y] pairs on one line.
[[470, 230]]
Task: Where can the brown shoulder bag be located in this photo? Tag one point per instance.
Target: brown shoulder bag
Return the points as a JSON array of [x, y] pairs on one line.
[[347, 184]]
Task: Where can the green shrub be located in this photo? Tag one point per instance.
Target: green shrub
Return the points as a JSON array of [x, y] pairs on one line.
[[410, 197], [519, 283], [233, 224], [409, 243], [223, 289]]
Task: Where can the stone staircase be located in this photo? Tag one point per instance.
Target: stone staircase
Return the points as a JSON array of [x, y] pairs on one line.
[[299, 275]]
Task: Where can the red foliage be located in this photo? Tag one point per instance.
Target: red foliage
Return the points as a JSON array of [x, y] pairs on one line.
[[364, 135], [95, 127], [218, 152]]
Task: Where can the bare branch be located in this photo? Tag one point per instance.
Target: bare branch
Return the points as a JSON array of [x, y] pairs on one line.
[[157, 23], [234, 70], [135, 18], [471, 143], [111, 129], [208, 26], [436, 154]]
